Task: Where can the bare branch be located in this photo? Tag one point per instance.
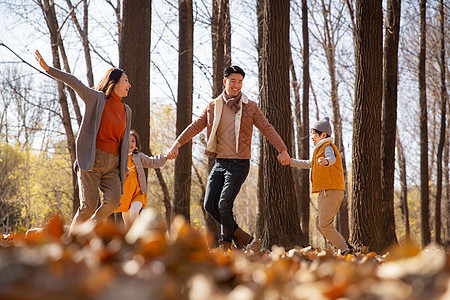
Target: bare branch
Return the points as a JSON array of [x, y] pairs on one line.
[[24, 61], [68, 15]]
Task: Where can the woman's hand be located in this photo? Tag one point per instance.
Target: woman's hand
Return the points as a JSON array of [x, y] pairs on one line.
[[41, 60]]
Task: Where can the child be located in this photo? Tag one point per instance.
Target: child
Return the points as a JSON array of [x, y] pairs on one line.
[[135, 188], [327, 179]]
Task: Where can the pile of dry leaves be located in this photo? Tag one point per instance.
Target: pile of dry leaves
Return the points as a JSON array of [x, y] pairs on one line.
[[104, 262]]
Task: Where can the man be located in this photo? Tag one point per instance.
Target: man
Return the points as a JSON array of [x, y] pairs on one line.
[[229, 120]]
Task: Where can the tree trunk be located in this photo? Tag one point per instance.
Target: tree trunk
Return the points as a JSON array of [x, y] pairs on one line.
[[304, 138], [447, 181], [437, 212], [424, 189], [260, 190], [212, 227], [303, 206], [219, 34], [227, 20], [281, 226], [218, 45], [182, 184], [366, 145], [330, 44], [404, 186], [52, 24], [389, 123], [134, 59], [83, 32], [351, 12], [166, 196]]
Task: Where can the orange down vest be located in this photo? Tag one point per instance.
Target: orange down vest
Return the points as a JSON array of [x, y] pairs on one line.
[[326, 177]]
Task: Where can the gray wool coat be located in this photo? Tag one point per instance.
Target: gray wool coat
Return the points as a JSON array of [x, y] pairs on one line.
[[86, 140]]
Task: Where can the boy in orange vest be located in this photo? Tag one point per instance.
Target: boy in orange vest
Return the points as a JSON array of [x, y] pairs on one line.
[[327, 179]]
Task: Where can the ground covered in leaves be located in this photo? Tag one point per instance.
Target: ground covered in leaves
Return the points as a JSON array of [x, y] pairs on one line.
[[104, 262]]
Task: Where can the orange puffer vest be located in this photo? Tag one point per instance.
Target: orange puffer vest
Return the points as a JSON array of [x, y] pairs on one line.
[[326, 177]]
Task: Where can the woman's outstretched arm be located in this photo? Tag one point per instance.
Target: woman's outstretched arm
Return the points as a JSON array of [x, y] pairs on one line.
[[85, 93]]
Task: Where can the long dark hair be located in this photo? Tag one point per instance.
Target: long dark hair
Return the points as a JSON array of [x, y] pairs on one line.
[[109, 80], [138, 144]]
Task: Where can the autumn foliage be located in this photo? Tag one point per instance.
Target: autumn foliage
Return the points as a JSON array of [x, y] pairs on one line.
[[147, 262]]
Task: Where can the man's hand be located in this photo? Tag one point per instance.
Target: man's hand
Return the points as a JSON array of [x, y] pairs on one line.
[[173, 151], [284, 158]]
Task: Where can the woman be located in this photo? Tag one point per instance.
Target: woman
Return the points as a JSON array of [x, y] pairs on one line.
[[102, 143]]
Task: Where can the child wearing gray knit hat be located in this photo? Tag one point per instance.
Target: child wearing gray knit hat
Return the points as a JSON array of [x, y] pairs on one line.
[[327, 179], [323, 125]]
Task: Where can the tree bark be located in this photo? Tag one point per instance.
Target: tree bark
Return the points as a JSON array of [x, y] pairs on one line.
[[182, 184], [221, 58], [330, 44], [218, 45], [260, 190], [166, 196], [424, 177], [447, 180], [52, 24], [281, 225], [437, 212], [389, 123], [351, 12], [304, 138], [366, 145], [134, 59], [83, 32], [404, 186], [303, 206], [227, 20]]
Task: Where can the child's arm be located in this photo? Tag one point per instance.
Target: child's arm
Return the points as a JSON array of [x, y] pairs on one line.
[[302, 164], [330, 157], [152, 161]]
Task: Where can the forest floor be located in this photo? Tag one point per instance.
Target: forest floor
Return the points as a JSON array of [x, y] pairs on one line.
[[149, 262]]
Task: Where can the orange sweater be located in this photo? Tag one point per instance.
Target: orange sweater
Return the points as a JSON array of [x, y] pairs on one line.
[[112, 125], [326, 177]]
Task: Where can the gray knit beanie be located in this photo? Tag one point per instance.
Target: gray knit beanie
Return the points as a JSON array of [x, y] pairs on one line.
[[323, 125]]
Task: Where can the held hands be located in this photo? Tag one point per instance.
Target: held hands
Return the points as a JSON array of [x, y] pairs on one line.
[[284, 158], [41, 60], [173, 151]]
